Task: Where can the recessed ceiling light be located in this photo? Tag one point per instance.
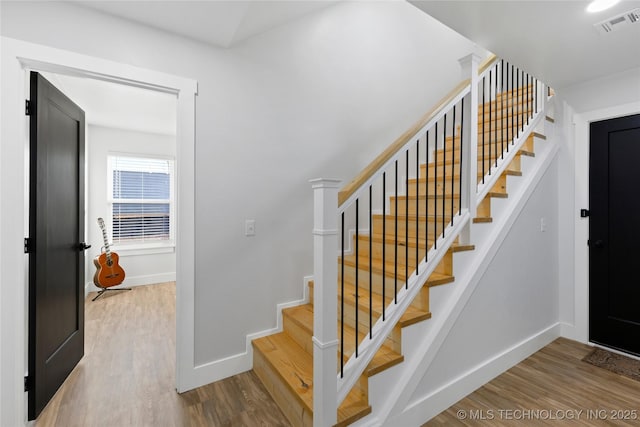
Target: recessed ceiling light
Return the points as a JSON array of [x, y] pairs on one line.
[[600, 5]]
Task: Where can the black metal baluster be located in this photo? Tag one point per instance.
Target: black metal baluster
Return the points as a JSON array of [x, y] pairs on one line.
[[417, 206], [518, 103], [342, 302], [406, 221], [444, 169], [506, 121], [370, 263], [523, 105], [536, 96], [513, 101], [502, 109], [495, 127], [435, 190], [395, 262], [490, 118], [509, 104], [529, 98], [426, 198], [384, 240], [453, 161], [357, 268], [483, 121], [461, 155]]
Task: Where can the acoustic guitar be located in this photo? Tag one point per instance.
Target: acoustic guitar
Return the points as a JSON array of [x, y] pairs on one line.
[[108, 273]]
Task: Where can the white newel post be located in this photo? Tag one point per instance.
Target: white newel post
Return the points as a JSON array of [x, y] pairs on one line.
[[325, 301], [469, 66]]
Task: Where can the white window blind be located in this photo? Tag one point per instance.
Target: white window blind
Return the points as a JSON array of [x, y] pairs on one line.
[[142, 198]]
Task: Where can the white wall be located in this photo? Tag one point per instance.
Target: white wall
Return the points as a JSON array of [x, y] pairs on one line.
[[516, 300], [142, 266], [319, 97], [609, 91]]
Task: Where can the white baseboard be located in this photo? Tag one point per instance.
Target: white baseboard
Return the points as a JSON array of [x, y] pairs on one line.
[[427, 407], [132, 281], [217, 370]]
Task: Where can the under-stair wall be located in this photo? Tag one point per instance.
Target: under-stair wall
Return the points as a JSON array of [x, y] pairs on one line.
[[512, 312]]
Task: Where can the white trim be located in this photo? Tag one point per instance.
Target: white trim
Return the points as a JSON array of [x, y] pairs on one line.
[[17, 57], [242, 362], [133, 281], [429, 406], [579, 331]]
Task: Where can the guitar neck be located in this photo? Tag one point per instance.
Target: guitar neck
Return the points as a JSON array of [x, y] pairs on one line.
[[107, 249]]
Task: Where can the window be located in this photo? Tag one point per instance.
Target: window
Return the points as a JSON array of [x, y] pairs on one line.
[[141, 190]]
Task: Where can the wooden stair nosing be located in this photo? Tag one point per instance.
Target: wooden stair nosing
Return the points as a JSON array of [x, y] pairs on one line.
[[482, 219]]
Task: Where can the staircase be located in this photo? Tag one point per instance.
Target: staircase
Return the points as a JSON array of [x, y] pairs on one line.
[[420, 200]]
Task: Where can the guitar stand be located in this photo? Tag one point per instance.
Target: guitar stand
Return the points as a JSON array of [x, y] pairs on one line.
[[103, 290]]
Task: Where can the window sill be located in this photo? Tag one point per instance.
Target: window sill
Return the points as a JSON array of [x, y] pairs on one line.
[[136, 249]]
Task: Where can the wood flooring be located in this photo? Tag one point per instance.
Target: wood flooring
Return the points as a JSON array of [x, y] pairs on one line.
[[553, 387], [126, 377]]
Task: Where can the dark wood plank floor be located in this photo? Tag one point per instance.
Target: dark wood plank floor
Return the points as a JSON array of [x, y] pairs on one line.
[[126, 377], [552, 387]]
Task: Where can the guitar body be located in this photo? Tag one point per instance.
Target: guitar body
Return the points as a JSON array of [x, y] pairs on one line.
[[108, 273]]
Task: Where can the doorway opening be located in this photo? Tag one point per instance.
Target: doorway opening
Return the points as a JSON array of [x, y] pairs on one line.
[[18, 58], [128, 151]]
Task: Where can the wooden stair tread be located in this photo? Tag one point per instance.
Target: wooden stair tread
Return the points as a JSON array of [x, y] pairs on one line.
[[295, 365], [433, 280], [456, 176], [490, 194], [521, 152], [410, 217], [410, 316], [411, 242], [384, 358]]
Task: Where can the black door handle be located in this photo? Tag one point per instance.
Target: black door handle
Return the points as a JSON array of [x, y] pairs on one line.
[[83, 246], [598, 244]]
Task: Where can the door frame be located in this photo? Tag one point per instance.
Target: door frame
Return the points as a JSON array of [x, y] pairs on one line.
[[17, 59], [579, 328]]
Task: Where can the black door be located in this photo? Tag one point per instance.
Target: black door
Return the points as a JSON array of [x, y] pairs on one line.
[[56, 227], [614, 233]]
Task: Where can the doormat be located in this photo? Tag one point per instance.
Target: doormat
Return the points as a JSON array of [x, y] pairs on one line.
[[613, 362]]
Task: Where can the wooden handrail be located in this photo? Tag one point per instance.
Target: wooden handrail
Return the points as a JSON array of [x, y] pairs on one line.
[[400, 142], [486, 63]]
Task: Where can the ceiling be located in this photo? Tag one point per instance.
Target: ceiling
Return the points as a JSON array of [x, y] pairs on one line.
[[536, 35], [220, 23], [120, 106], [553, 40]]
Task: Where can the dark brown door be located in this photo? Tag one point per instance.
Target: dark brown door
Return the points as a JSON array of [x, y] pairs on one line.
[[56, 229], [614, 233]]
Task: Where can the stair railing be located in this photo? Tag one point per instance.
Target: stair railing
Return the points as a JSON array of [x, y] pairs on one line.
[[431, 170], [511, 104]]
